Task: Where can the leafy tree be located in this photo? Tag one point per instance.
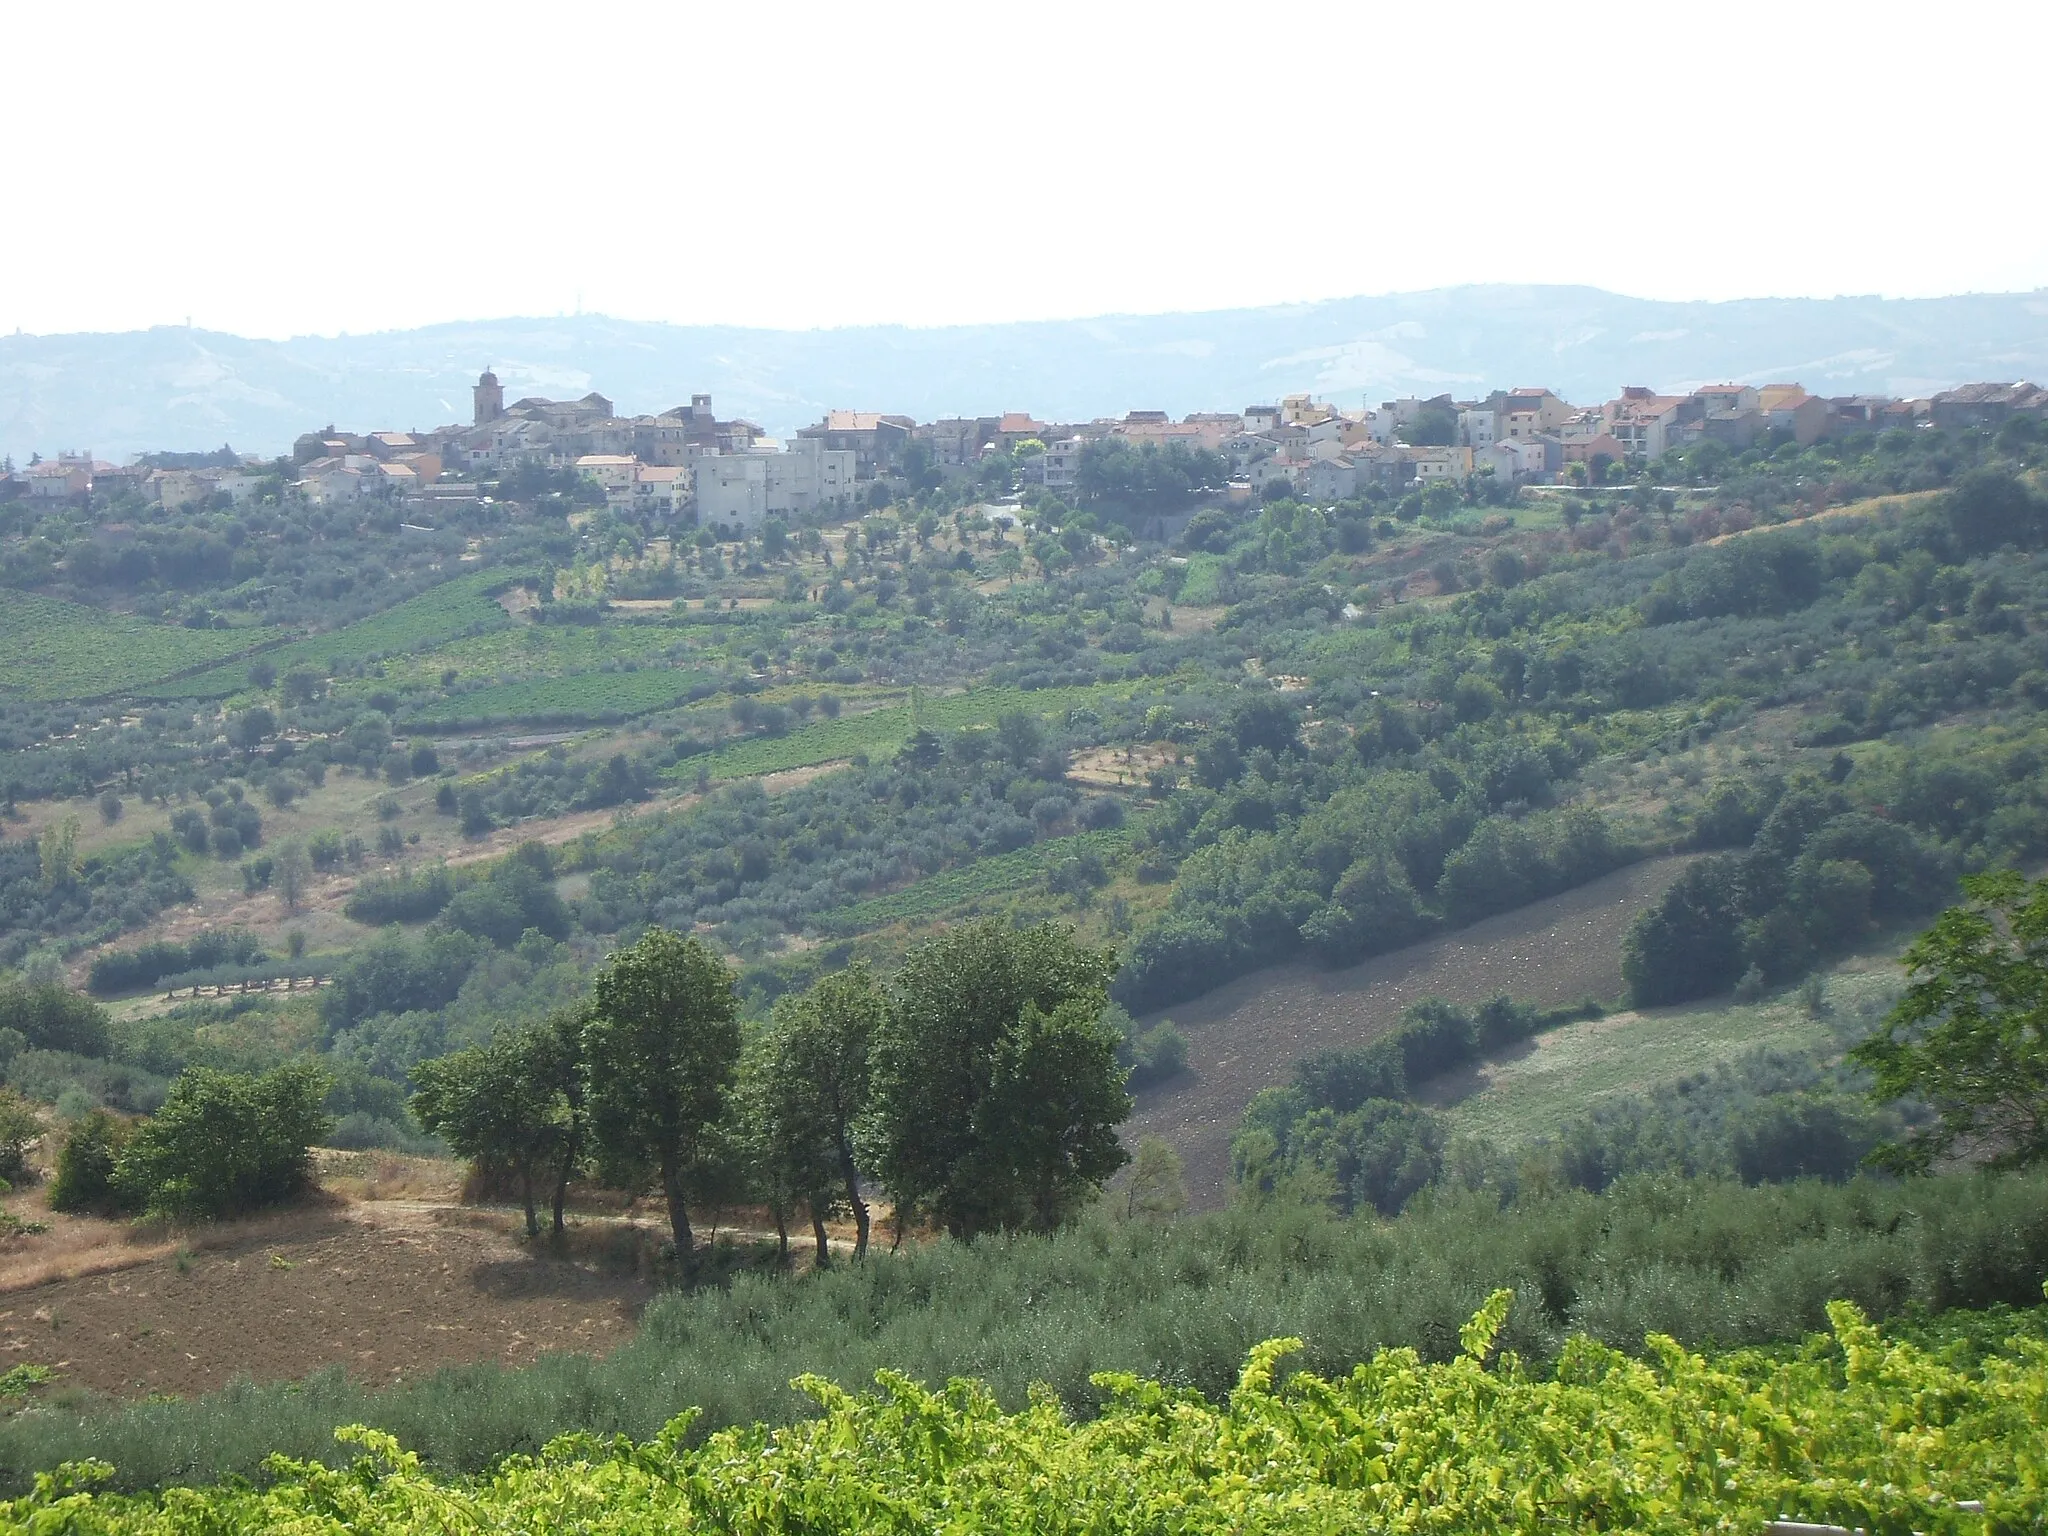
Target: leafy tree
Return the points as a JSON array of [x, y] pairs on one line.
[[512, 1104], [1688, 945], [227, 1142], [86, 1164], [819, 1088], [660, 1050], [1970, 1036], [18, 1127], [996, 1088], [1155, 1187], [50, 1017]]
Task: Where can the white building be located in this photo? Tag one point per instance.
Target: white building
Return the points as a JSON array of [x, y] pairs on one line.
[[1060, 465], [742, 490]]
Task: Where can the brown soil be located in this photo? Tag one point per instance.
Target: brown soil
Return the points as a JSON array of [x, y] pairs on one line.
[[1245, 1036], [385, 1291]]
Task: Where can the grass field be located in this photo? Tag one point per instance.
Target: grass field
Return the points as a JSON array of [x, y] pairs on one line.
[[51, 649], [880, 731], [952, 889], [584, 697], [440, 614], [1564, 1072], [539, 650]]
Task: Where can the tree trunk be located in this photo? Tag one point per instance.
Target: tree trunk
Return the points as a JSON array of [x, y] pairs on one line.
[[818, 1234], [781, 1233], [563, 1174], [678, 1216], [860, 1206], [526, 1198]]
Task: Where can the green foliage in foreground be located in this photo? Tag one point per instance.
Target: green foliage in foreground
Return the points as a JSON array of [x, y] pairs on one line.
[[1970, 1036], [1857, 1431], [1713, 1265]]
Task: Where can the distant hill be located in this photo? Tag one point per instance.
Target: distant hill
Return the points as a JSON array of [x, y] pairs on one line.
[[125, 393]]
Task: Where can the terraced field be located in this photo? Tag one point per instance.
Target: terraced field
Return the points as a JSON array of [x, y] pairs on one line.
[[582, 698], [51, 649], [458, 607], [878, 732], [953, 889]]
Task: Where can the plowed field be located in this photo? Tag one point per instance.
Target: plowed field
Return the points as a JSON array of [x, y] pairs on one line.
[[1247, 1035]]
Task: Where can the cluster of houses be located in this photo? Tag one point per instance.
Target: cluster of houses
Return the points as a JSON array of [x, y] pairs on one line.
[[685, 462]]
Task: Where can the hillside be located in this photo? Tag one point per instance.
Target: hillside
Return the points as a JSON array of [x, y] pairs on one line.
[[169, 388]]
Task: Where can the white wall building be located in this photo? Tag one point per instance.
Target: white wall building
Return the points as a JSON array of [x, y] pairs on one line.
[[742, 490]]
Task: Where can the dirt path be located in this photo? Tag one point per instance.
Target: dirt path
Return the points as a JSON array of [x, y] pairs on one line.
[[1245, 1036]]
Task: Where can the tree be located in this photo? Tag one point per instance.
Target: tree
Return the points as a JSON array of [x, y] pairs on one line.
[[508, 1105], [227, 1142], [290, 869], [1688, 945], [1155, 1187], [818, 1089], [660, 1050], [18, 1127], [1970, 1036], [996, 1088], [86, 1165]]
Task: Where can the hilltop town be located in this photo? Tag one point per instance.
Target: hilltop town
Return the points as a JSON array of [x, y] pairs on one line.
[[686, 464]]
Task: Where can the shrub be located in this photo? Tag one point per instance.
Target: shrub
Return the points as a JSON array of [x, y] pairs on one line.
[[85, 1167], [19, 1126], [226, 1142]]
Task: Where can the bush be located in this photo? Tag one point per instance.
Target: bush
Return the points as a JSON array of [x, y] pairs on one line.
[[225, 1143], [92, 1150], [52, 1018], [19, 1126]]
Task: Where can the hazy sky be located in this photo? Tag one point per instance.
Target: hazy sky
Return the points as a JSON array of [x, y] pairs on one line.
[[279, 169]]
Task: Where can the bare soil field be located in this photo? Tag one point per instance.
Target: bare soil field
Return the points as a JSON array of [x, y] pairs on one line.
[[1247, 1035], [383, 1290]]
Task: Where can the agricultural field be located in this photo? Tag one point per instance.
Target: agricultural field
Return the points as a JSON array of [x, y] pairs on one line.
[[959, 891], [878, 732], [457, 607], [1248, 1034], [574, 699], [1563, 1073], [52, 649]]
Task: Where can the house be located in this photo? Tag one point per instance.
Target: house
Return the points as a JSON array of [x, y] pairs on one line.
[[1452, 463], [331, 482], [612, 471], [1987, 405], [955, 441], [1059, 467], [1644, 422], [1260, 418], [1789, 408], [1303, 410], [662, 488], [1332, 479], [1596, 452], [61, 478], [1477, 425], [876, 441], [1519, 461], [1014, 427], [1526, 413]]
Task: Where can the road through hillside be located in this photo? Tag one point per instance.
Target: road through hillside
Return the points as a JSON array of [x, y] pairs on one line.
[[1245, 1036]]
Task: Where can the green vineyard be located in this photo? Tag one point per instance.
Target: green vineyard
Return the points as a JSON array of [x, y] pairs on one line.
[[952, 889], [1856, 1431], [583, 698], [454, 608], [878, 732], [51, 649]]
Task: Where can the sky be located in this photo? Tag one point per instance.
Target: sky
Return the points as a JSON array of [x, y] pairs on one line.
[[277, 170]]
